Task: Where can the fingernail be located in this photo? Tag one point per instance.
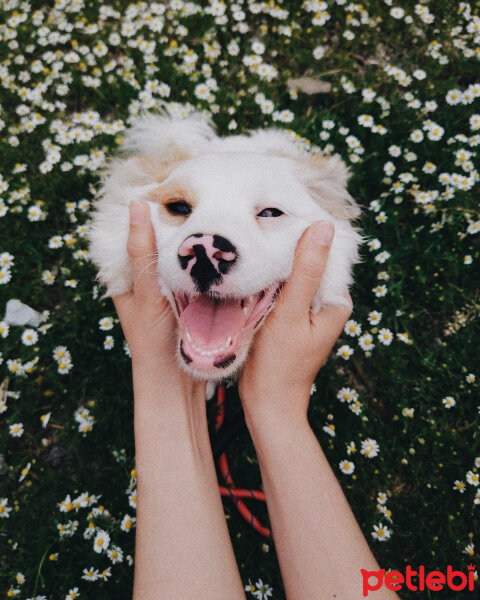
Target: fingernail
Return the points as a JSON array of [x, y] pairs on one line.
[[137, 212], [323, 233]]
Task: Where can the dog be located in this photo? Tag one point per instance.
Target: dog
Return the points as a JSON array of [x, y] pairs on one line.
[[227, 215]]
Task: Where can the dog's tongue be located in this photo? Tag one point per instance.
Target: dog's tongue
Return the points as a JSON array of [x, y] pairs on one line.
[[214, 330], [211, 322]]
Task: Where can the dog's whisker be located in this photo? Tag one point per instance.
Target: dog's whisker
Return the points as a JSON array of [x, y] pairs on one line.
[[152, 261]]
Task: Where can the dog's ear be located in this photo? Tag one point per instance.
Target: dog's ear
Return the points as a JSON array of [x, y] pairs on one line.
[[124, 175], [154, 145], [325, 178], [166, 137]]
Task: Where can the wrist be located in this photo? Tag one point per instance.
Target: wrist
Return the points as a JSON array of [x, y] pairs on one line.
[[277, 440], [176, 413], [157, 385], [271, 400], [284, 417]]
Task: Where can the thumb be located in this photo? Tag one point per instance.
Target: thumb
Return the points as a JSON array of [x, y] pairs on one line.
[[309, 264], [141, 239]]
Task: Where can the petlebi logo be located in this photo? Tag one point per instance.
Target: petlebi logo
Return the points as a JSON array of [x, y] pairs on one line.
[[419, 580]]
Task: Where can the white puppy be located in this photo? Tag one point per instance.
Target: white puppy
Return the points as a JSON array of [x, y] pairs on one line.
[[227, 215]]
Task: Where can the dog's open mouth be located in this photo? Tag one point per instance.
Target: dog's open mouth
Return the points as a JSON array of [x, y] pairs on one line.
[[214, 328]]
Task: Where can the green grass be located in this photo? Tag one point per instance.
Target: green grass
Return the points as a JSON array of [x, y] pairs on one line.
[[56, 67]]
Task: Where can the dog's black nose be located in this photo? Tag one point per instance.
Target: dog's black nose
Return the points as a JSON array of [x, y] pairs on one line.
[[207, 258]]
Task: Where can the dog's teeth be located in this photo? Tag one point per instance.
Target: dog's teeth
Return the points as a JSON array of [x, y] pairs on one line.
[[245, 310], [213, 351]]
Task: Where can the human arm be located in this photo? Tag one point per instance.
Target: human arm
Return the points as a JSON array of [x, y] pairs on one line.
[[182, 545], [319, 544]]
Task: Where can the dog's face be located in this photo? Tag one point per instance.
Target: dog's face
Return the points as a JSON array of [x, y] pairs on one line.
[[227, 220], [226, 226]]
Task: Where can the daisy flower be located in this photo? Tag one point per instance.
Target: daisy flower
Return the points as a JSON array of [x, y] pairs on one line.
[[397, 12], [127, 523], [262, 591], [329, 429], [385, 336], [106, 323], [4, 508], [380, 291], [101, 542], [382, 256], [381, 533], [115, 554], [416, 136], [90, 574], [108, 342], [449, 402], [370, 448], [45, 419], [61, 353], [24, 472], [106, 574], [374, 317], [347, 467], [366, 342], [347, 395], [29, 337], [374, 244], [16, 430], [386, 512], [352, 328], [351, 448], [473, 478], [345, 352], [382, 498], [404, 337], [48, 278]]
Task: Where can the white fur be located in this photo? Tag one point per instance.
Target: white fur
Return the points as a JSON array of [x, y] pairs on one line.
[[230, 180]]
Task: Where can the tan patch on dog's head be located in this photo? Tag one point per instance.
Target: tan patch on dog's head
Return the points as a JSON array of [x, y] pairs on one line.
[[158, 170], [171, 193]]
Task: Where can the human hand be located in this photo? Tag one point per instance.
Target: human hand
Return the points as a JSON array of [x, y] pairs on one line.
[[293, 343], [147, 319]]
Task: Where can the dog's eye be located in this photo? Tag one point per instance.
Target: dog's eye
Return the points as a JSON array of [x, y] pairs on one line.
[[179, 207], [270, 212]]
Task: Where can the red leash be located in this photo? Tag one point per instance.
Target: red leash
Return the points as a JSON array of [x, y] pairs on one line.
[[230, 490]]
